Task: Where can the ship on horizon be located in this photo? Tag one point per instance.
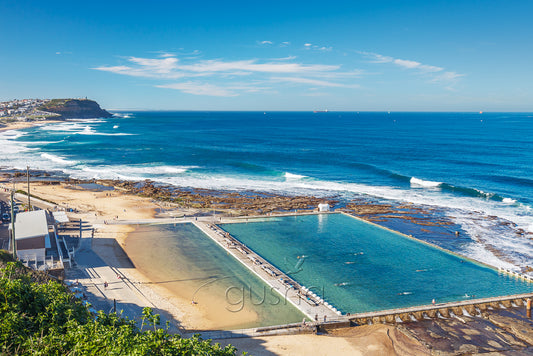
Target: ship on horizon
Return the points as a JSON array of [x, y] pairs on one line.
[[315, 111]]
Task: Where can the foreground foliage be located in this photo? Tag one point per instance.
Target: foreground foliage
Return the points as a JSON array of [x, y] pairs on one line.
[[39, 316]]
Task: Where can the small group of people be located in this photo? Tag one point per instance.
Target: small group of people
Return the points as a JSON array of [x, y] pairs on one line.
[[316, 318], [107, 284]]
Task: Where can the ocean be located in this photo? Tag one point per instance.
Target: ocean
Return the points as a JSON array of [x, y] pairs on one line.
[[473, 168]]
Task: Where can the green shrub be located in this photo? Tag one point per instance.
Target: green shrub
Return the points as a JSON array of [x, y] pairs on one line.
[[39, 316]]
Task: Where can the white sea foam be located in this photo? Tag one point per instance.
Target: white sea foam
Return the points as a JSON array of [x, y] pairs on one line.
[[88, 120], [290, 176], [123, 115], [509, 201], [58, 159], [484, 194], [129, 172], [518, 251], [63, 127], [416, 182], [81, 127], [88, 130], [10, 147]]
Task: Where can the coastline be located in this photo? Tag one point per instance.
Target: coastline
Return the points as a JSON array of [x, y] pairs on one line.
[[17, 125], [97, 206]]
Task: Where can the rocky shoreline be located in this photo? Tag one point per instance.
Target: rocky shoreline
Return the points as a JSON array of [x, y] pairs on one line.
[[496, 330]]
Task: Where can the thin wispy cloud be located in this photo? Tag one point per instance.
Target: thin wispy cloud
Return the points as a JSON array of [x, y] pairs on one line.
[[199, 89], [215, 77], [166, 55], [315, 82], [266, 42], [253, 65], [437, 74], [310, 46], [170, 67], [288, 58]]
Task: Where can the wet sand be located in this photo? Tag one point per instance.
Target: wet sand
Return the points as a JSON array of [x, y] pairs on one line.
[[193, 267], [177, 276], [370, 340]]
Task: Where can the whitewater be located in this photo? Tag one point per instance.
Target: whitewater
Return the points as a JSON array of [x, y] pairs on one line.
[[470, 166]]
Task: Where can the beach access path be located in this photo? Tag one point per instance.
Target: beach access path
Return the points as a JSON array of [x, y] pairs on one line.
[[110, 287], [90, 274]]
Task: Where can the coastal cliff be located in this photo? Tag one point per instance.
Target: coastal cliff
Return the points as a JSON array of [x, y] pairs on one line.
[[75, 108]]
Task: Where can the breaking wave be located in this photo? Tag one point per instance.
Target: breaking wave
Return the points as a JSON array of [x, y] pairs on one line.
[[415, 182], [58, 159], [292, 177]]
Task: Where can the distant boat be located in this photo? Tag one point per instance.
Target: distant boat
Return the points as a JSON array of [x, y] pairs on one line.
[[315, 111]]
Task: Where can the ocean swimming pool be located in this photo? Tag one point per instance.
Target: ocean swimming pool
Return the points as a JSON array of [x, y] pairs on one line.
[[358, 267]]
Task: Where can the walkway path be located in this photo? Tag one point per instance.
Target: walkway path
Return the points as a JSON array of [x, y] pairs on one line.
[[92, 273]]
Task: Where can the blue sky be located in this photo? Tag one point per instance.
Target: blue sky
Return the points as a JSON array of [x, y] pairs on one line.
[[277, 55]]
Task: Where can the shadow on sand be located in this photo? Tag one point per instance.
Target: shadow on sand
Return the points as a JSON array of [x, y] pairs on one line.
[[107, 252]]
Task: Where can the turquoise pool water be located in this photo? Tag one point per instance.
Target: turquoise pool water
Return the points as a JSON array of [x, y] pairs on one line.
[[358, 267]]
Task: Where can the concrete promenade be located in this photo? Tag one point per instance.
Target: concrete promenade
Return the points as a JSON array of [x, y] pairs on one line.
[[105, 286]]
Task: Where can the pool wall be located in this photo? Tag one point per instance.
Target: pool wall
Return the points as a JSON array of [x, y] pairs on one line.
[[499, 269], [263, 233]]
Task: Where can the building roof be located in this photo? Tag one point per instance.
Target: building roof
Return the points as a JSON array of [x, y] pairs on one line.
[[31, 224], [60, 217]]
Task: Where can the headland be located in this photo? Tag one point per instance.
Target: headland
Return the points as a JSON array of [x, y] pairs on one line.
[[19, 114]]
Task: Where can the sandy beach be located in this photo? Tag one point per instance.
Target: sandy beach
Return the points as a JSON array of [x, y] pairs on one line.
[[17, 125], [371, 340], [104, 210]]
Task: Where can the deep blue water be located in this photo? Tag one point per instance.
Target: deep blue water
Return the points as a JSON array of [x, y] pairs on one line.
[[470, 165]]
